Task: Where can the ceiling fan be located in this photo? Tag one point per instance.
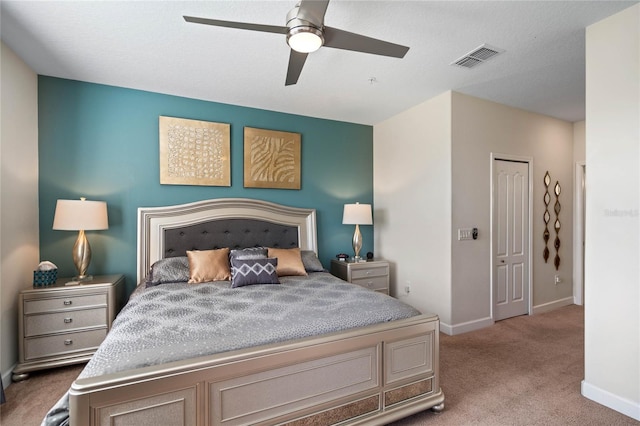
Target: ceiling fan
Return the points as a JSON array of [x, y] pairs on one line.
[[306, 33]]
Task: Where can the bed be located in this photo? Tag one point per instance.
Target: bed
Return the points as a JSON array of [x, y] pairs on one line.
[[353, 373]]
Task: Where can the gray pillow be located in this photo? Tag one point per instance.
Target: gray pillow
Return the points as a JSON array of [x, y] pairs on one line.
[[310, 261], [248, 253], [253, 271], [169, 270]]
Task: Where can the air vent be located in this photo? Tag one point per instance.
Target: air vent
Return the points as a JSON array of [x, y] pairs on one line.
[[477, 56]]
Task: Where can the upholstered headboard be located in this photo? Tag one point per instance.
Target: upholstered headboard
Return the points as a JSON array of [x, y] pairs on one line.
[[226, 222], [232, 233]]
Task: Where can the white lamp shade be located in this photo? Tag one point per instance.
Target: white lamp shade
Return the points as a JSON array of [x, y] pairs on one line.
[[77, 215], [357, 214]]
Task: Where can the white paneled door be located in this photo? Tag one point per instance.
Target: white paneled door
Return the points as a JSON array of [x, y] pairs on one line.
[[510, 239]]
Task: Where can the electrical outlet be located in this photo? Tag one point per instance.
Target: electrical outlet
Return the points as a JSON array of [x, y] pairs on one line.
[[407, 288], [557, 279]]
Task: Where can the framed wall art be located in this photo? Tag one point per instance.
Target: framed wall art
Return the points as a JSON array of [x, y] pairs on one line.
[[194, 152], [271, 159]]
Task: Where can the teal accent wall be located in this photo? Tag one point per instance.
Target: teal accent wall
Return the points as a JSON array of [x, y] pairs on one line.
[[101, 142]]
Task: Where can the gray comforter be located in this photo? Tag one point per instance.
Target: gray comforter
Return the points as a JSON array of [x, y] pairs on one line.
[[176, 321]]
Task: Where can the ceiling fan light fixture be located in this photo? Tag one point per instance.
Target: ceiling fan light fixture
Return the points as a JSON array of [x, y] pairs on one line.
[[305, 39], [305, 32]]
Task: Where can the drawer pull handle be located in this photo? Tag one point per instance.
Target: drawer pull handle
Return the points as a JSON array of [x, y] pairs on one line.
[[68, 320], [67, 302], [370, 284], [68, 342], [368, 272]]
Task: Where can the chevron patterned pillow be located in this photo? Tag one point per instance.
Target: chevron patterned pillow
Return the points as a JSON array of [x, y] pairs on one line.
[[254, 271]]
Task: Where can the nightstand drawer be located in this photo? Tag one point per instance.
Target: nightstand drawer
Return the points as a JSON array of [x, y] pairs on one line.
[[36, 325], [373, 274], [373, 283], [368, 272], [62, 303], [48, 346]]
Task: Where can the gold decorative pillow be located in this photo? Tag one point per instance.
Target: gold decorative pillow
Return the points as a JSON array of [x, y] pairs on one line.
[[289, 261], [208, 265]]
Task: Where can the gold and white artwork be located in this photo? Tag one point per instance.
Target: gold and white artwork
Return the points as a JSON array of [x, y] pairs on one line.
[[271, 159], [194, 152]]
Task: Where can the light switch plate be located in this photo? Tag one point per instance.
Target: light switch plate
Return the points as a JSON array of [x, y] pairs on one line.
[[465, 234]]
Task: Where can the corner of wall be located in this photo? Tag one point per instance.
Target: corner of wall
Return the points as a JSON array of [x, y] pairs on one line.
[[482, 128], [412, 173], [612, 300], [579, 169], [19, 249]]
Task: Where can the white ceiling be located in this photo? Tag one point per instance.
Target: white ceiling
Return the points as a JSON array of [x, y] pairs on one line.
[[147, 45]]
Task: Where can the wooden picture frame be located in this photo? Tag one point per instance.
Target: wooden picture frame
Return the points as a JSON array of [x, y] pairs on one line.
[[271, 159], [194, 152]]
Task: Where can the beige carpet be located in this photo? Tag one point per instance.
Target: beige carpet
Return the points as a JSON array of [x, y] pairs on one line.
[[28, 401], [522, 371]]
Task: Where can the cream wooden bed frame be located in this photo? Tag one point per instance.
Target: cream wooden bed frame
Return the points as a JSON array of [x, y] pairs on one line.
[[369, 375]]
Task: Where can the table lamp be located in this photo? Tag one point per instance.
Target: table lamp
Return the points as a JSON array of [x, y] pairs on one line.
[[81, 215], [357, 214]]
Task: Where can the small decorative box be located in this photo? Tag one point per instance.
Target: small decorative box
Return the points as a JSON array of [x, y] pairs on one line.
[[42, 278]]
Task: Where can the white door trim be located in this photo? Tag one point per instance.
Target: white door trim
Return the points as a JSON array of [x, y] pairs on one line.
[[524, 159], [578, 232]]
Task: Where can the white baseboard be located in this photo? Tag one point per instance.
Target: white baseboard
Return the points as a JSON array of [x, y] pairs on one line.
[[606, 398], [6, 377], [550, 306], [465, 327]]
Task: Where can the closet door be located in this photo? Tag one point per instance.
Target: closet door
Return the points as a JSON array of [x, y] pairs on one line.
[[510, 239]]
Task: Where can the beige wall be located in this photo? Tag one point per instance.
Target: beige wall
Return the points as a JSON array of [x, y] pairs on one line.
[[432, 176], [412, 199], [480, 128], [19, 237], [612, 271]]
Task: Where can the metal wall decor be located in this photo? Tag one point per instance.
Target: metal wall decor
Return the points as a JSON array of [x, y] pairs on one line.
[[546, 217], [556, 225]]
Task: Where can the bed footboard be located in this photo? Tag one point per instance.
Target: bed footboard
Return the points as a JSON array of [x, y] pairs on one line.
[[370, 375]]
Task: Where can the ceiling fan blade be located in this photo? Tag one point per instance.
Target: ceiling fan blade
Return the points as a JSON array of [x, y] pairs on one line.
[[313, 11], [296, 62], [239, 25], [340, 39]]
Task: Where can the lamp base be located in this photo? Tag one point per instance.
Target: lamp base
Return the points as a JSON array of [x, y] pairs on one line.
[[82, 257], [82, 278], [357, 244], [78, 280]]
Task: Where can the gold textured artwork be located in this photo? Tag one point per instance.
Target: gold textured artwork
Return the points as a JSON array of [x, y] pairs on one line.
[[194, 152], [271, 159]]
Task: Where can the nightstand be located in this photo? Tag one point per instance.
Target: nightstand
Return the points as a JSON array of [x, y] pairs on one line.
[[64, 324], [373, 274]]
